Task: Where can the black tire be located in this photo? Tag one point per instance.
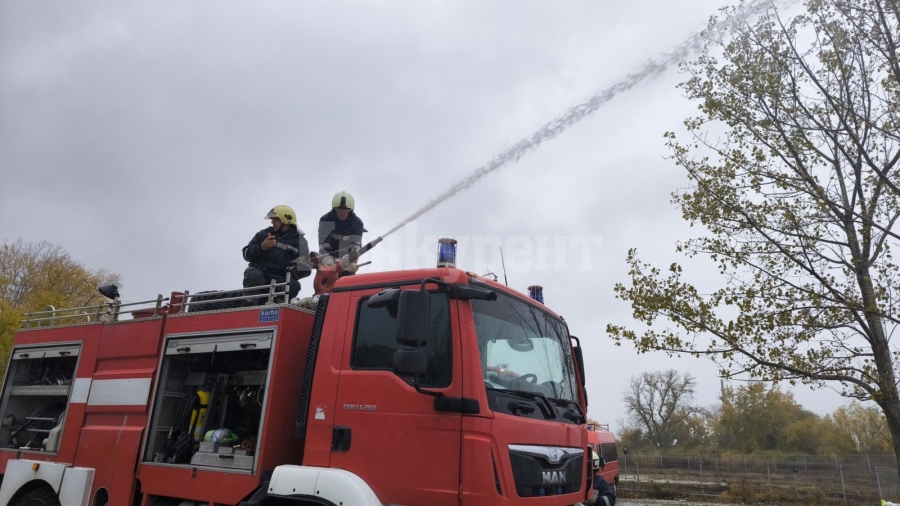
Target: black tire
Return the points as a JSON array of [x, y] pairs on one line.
[[39, 496], [163, 501]]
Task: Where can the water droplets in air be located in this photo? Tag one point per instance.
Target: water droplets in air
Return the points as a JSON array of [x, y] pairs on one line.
[[650, 70]]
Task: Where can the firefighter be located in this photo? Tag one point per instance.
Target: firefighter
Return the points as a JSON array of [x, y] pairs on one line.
[[340, 230], [275, 251]]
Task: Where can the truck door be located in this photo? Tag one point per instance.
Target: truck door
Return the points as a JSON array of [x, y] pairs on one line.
[[385, 431]]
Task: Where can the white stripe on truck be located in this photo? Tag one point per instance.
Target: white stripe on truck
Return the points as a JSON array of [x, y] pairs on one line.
[[119, 392]]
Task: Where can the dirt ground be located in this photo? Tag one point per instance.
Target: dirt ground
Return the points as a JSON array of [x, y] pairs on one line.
[[624, 501]]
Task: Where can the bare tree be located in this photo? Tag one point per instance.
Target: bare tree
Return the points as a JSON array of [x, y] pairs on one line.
[[660, 404]]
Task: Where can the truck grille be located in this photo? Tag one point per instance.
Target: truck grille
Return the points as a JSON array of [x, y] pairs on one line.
[[546, 470]]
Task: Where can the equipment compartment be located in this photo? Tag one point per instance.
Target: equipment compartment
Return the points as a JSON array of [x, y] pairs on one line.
[[210, 394], [36, 395]]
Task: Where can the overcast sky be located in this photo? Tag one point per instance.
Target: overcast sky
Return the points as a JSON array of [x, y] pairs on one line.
[[151, 138]]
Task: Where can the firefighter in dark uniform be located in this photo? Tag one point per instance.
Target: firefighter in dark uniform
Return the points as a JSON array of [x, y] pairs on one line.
[[275, 251], [339, 230]]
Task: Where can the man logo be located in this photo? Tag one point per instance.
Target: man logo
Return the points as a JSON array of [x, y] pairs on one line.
[[554, 477], [554, 454]]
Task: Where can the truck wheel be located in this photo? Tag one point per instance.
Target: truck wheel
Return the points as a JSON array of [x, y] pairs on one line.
[[40, 496], [163, 501]]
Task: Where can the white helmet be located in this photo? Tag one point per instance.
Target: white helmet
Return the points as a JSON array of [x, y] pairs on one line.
[[342, 200]]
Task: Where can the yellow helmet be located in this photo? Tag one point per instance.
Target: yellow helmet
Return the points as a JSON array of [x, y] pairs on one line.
[[343, 200], [283, 213], [596, 460]]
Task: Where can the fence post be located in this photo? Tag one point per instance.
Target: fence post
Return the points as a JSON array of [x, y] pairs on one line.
[[769, 474], [796, 491], [843, 488], [701, 475], [878, 482]]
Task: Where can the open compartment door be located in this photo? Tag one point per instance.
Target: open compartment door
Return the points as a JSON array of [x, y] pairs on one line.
[[36, 395], [209, 404]]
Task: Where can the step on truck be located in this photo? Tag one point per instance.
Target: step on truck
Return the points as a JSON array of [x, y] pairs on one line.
[[420, 387]]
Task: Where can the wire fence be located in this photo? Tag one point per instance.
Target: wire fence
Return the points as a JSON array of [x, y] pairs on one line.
[[808, 479]]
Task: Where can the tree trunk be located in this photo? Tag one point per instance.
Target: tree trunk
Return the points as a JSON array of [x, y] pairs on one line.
[[887, 396], [891, 408]]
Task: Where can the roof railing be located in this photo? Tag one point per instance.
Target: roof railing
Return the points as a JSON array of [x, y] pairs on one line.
[[248, 296], [183, 301], [107, 311]]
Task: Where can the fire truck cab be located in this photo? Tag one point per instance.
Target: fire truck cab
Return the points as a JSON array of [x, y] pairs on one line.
[[431, 386]]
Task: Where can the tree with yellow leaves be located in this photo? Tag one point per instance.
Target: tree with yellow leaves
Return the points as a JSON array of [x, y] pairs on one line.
[[35, 275]]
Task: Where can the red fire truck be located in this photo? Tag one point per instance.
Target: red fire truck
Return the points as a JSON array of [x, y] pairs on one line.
[[432, 386], [603, 442]]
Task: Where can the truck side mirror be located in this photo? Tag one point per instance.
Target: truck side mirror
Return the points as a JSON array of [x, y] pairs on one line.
[[388, 298], [410, 363], [579, 359], [414, 318]]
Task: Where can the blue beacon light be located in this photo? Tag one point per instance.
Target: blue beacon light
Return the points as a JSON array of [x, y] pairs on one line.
[[536, 292], [446, 252]]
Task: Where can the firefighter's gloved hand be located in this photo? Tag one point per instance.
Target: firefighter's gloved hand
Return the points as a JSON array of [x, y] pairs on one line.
[[345, 262], [326, 260]]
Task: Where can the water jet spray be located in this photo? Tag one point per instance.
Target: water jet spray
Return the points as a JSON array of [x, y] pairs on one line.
[[654, 68]]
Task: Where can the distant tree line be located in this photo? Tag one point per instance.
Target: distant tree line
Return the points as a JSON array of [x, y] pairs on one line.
[[751, 418], [37, 275]]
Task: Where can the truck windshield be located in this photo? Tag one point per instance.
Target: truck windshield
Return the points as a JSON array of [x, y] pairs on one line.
[[524, 349]]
